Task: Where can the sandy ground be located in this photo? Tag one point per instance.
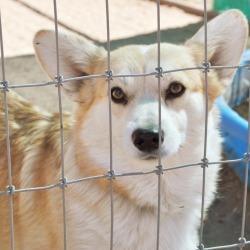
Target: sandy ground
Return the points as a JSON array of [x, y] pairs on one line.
[[128, 18], [223, 223]]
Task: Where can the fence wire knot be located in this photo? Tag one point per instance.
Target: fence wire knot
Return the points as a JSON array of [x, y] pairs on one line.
[[159, 72], [63, 182], [206, 66], [10, 190], [59, 80], [204, 163], [109, 75], [159, 170], [201, 247], [247, 157], [5, 86], [242, 242], [111, 174]]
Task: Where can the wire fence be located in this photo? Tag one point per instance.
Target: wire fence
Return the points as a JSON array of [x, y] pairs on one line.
[[111, 174]]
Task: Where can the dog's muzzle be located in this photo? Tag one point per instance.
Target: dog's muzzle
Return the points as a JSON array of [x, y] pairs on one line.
[[147, 140]]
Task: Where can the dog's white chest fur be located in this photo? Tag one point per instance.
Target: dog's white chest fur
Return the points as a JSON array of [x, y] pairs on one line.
[[135, 214], [137, 230]]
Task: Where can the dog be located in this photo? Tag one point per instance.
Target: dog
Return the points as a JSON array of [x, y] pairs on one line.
[[137, 143]]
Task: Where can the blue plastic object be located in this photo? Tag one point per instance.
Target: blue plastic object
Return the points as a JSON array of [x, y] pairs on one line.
[[235, 132], [238, 91]]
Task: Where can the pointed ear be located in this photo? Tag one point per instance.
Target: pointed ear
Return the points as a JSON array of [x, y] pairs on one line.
[[77, 57], [226, 40]]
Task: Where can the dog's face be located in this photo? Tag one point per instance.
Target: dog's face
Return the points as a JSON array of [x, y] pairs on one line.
[[135, 101], [136, 135], [135, 107]]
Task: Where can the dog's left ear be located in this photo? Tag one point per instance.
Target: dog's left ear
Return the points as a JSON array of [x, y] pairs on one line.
[[226, 40], [77, 57]]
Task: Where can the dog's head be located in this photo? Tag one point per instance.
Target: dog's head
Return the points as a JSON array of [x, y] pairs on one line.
[[135, 106]]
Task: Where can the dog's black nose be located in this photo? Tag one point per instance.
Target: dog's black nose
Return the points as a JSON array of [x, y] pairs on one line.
[[146, 140]]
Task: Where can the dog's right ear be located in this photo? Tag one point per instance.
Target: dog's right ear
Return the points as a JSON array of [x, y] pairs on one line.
[[77, 57], [226, 40]]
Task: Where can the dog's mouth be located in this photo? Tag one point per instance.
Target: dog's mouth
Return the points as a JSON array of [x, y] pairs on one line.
[[150, 156]]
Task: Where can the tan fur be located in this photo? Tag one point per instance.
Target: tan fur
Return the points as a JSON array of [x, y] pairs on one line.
[[33, 135]]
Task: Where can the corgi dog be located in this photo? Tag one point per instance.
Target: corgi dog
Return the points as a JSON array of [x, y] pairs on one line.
[[136, 141]]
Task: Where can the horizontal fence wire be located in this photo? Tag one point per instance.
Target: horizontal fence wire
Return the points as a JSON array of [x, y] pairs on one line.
[[111, 175], [117, 175], [105, 76]]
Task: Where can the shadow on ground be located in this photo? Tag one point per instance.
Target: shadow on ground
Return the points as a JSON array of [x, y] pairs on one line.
[[176, 36]]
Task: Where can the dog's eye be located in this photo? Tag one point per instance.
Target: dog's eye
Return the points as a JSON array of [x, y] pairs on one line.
[[117, 95], [175, 90]]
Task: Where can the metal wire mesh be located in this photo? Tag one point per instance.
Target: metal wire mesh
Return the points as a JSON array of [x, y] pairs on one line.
[[111, 174]]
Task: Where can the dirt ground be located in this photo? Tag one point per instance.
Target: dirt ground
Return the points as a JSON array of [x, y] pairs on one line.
[[223, 223]]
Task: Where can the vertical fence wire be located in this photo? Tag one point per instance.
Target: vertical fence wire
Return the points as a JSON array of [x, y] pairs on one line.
[[159, 69], [206, 63], [10, 188], [59, 82], [244, 209], [111, 171]]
